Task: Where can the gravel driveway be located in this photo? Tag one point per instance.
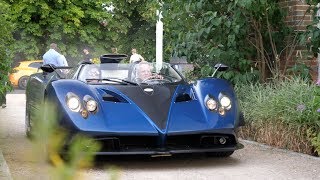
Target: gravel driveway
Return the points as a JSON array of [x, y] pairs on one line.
[[255, 161]]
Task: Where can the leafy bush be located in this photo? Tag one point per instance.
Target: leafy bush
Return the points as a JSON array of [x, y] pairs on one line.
[[5, 48], [249, 36], [292, 104], [48, 140]]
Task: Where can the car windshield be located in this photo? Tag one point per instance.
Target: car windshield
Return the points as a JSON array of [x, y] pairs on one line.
[[135, 73]]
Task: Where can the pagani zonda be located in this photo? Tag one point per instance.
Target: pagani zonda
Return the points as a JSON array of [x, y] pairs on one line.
[[159, 114]]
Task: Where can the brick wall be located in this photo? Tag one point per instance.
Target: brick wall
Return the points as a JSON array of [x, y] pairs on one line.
[[298, 18]]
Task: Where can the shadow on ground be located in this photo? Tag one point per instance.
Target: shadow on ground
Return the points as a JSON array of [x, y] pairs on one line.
[[172, 162]]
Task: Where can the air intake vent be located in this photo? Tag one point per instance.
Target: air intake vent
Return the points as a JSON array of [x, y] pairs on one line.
[[183, 97], [110, 98], [113, 97]]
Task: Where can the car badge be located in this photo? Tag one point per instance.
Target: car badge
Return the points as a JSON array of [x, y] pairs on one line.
[[148, 90]]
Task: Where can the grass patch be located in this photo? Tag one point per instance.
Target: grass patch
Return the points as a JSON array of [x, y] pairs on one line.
[[282, 114], [279, 135]]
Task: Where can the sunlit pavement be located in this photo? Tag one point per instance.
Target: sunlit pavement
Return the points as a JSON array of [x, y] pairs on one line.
[[16, 148], [252, 162], [4, 170]]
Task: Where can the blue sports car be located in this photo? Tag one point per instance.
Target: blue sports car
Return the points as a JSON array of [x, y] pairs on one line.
[[139, 108]]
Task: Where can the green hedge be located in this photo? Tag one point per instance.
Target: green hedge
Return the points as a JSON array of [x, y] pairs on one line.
[[286, 111]]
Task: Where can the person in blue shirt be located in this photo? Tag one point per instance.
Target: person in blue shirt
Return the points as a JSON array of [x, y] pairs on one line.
[[62, 58], [52, 56]]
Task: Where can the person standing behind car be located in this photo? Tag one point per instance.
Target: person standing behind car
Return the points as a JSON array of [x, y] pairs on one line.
[[114, 50], [135, 57], [62, 58], [87, 57], [52, 56], [3, 99]]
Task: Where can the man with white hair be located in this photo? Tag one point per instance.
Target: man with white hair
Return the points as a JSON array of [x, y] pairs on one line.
[[144, 73]]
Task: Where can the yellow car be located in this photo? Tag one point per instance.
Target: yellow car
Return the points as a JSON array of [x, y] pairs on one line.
[[19, 76]]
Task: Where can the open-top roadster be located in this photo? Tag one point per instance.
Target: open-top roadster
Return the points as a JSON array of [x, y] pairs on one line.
[[141, 108]]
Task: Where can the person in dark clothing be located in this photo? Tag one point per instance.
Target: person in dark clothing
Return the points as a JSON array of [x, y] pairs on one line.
[[3, 99], [87, 55]]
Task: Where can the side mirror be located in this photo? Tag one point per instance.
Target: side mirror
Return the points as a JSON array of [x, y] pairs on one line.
[[219, 67], [49, 68]]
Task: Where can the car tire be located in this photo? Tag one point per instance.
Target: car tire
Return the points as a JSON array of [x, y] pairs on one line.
[[22, 83], [219, 154]]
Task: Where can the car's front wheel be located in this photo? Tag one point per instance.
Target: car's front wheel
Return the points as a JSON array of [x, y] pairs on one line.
[[219, 154], [22, 83]]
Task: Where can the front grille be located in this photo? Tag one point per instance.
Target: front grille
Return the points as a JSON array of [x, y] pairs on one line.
[[173, 142], [199, 141], [127, 142]]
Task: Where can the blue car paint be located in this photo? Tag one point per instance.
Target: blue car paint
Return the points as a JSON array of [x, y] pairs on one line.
[[110, 117], [117, 117], [214, 87], [194, 116], [133, 117], [186, 116], [189, 117]]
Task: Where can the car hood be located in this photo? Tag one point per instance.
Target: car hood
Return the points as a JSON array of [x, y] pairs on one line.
[[167, 108], [154, 101]]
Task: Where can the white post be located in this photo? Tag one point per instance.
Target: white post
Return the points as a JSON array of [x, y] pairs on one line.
[[159, 42]]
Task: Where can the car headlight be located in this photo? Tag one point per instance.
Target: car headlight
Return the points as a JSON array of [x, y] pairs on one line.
[[73, 103], [211, 104], [225, 102], [91, 105]]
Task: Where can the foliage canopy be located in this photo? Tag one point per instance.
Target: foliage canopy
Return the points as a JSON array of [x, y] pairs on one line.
[[5, 47], [248, 35], [73, 24], [69, 23]]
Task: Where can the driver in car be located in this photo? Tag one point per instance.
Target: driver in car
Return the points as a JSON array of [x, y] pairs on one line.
[[144, 73], [93, 74]]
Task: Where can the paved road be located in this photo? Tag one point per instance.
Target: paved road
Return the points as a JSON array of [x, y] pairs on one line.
[[252, 162]]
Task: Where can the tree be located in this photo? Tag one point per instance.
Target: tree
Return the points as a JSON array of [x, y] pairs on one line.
[[141, 34], [72, 24], [5, 47], [245, 34]]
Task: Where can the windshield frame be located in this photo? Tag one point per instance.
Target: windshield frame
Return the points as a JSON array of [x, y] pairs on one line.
[[120, 74]]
